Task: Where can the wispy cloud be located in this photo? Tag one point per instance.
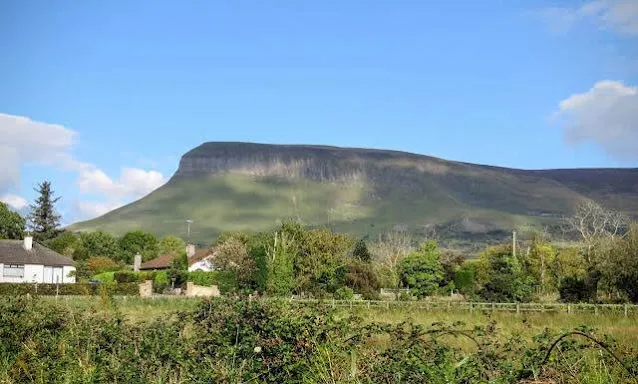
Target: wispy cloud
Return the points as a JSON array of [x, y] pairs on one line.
[[24, 141], [606, 115], [618, 16], [14, 201]]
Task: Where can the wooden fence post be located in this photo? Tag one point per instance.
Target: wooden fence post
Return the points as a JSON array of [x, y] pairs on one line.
[[518, 308], [625, 309], [471, 307], [596, 309], [569, 308]]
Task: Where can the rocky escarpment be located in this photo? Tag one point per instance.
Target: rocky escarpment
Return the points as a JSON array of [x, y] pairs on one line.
[[319, 163]]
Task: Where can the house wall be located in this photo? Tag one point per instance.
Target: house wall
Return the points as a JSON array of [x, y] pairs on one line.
[[34, 273], [204, 265], [198, 290], [66, 270]]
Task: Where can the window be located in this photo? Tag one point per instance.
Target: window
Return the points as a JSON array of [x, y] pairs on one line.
[[13, 270]]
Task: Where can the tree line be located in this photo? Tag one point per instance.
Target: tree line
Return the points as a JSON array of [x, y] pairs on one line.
[[295, 259]]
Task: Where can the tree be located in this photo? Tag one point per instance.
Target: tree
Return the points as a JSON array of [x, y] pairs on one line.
[[422, 271], [11, 223], [138, 241], [232, 255], [97, 243], [362, 278], [65, 243], [501, 276], [541, 257], [464, 278], [170, 244], [44, 222], [280, 264], [593, 222], [389, 250], [391, 247], [361, 252], [101, 264], [620, 266]]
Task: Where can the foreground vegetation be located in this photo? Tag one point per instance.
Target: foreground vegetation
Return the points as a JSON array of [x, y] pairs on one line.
[[241, 341]]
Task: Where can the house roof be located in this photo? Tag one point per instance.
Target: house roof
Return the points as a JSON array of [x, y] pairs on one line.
[[201, 255], [13, 252], [161, 262]]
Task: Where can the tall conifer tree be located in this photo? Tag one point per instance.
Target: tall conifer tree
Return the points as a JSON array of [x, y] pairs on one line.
[[44, 222]]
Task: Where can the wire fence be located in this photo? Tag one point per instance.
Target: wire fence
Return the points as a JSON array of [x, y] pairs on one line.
[[467, 306]]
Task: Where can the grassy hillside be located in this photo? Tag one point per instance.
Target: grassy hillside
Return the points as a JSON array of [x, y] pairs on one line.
[[253, 187]]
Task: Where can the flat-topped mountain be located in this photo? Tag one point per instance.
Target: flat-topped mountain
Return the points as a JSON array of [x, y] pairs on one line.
[[247, 186]]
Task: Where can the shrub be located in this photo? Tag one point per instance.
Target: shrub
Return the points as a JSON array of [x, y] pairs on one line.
[[18, 289], [464, 279], [575, 289], [105, 277], [126, 277], [101, 264], [179, 276], [160, 281], [224, 280], [344, 293], [123, 289]]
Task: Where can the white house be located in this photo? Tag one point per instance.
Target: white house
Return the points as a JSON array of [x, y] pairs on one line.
[[201, 260], [24, 261]]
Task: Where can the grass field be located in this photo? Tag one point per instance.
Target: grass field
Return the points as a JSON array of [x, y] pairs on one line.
[[526, 324]]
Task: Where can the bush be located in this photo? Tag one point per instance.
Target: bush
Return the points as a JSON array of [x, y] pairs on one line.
[[224, 280], [105, 277], [160, 281], [575, 289], [18, 289], [464, 279], [344, 293], [101, 264], [127, 277], [122, 289], [180, 277]]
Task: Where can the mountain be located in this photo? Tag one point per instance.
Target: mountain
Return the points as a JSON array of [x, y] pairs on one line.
[[247, 186]]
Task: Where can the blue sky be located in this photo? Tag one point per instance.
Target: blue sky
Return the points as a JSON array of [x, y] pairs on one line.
[[104, 97]]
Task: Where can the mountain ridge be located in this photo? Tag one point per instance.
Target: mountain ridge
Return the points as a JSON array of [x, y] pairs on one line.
[[253, 186]]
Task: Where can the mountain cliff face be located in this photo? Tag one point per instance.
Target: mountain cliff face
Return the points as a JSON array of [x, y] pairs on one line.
[[248, 186], [319, 163]]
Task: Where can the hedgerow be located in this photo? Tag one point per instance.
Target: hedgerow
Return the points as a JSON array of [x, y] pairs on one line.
[[77, 289], [228, 340]]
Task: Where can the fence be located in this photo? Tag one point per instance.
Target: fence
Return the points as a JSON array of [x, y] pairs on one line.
[[518, 308]]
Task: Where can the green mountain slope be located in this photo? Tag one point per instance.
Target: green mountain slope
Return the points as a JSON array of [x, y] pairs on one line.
[[245, 186]]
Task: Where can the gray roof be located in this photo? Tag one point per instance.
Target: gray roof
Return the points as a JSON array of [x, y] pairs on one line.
[[13, 252]]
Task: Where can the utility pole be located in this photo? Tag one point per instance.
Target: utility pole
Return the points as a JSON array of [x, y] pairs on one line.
[[188, 230], [514, 243]]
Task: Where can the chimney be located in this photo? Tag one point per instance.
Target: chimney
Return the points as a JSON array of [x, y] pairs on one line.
[[190, 250], [137, 262], [28, 243]]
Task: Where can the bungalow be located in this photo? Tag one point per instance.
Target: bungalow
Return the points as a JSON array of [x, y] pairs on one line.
[[159, 263], [25, 261], [202, 260], [197, 260]]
